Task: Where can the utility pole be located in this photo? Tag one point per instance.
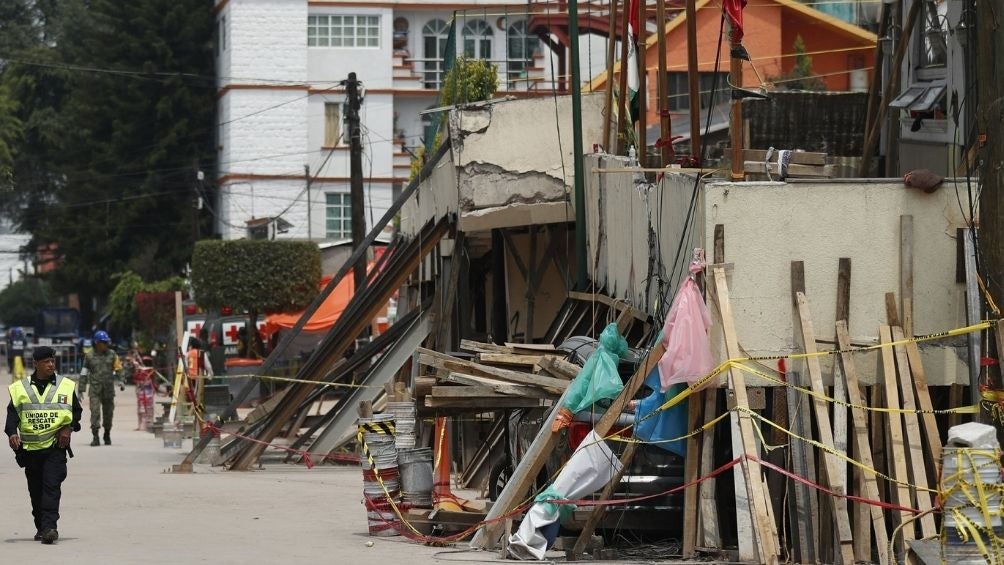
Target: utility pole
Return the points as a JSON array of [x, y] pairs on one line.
[[310, 223], [990, 142], [356, 178]]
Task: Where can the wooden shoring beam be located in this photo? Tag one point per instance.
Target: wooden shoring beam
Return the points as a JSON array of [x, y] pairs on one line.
[[831, 464], [766, 543], [862, 445]]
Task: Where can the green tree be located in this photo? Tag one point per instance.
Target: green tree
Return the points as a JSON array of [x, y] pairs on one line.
[[107, 167], [21, 301], [255, 276], [468, 80], [801, 77]]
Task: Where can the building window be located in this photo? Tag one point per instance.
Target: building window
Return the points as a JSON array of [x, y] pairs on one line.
[[333, 125], [343, 31], [477, 40], [338, 215], [678, 88], [434, 36], [933, 34], [520, 47]]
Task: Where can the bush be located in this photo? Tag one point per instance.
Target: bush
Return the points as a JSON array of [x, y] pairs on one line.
[[254, 275], [122, 302], [469, 80]]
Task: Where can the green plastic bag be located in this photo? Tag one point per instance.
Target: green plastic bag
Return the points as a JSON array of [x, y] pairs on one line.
[[598, 379]]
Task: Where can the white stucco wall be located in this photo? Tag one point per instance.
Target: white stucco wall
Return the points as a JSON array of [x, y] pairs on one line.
[[267, 40], [769, 225]]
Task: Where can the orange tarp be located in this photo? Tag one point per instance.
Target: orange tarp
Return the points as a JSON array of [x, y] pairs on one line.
[[324, 317]]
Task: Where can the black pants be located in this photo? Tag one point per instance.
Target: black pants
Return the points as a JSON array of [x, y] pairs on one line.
[[45, 470]]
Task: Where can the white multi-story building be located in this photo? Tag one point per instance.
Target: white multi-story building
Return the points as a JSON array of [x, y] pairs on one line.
[[280, 66]]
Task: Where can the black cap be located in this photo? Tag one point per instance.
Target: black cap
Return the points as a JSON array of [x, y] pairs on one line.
[[42, 353]]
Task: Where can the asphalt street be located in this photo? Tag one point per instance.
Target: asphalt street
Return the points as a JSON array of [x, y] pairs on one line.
[[119, 506]]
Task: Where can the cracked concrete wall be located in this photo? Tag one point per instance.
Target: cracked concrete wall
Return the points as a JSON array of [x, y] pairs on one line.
[[520, 151], [436, 196], [768, 225]]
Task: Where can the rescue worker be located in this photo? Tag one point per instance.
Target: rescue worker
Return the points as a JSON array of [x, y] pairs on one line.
[[100, 371], [44, 409]]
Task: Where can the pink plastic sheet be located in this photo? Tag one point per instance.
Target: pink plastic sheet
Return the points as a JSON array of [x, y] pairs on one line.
[[685, 335]]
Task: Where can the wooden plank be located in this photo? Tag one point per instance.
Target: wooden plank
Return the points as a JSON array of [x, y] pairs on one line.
[[891, 309], [797, 157], [906, 271], [483, 404], [831, 464], [896, 449], [509, 359], [559, 368], [466, 391], [446, 362], [766, 543], [927, 418], [803, 456], [497, 386], [709, 535], [843, 312], [918, 470], [507, 375], [862, 445], [806, 502], [794, 170], [609, 418], [690, 469], [480, 347], [536, 347]]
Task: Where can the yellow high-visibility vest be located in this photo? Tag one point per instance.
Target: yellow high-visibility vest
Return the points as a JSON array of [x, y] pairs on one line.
[[40, 419]]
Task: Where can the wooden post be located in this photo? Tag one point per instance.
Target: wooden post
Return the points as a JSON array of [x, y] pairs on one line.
[[918, 471], [665, 125], [642, 85], [762, 528], [693, 83], [608, 107], [862, 446], [875, 88], [831, 465], [906, 271], [691, 466], [896, 451]]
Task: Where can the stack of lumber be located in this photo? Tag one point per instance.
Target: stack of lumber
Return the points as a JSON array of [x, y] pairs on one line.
[[495, 377], [802, 164]]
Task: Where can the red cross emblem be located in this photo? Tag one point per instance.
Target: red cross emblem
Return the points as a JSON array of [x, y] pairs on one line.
[[232, 333]]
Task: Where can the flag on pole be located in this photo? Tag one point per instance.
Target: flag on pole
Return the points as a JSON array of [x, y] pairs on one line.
[[634, 24], [734, 12]]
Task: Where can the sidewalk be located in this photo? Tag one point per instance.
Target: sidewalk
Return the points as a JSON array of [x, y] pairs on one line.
[[120, 507]]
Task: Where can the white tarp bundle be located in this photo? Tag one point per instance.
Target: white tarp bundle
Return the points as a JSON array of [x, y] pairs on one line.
[[590, 468]]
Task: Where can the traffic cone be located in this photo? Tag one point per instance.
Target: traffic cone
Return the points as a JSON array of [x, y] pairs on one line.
[[18, 373], [441, 494]]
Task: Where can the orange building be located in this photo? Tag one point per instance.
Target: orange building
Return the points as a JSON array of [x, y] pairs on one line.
[[842, 54]]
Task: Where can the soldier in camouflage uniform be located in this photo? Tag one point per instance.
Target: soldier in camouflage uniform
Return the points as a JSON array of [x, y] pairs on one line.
[[101, 369]]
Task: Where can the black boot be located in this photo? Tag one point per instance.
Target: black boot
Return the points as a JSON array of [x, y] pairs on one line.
[[108, 436], [96, 440]]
